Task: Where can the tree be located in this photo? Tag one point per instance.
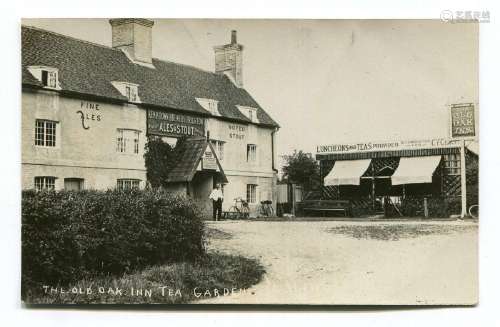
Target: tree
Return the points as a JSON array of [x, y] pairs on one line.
[[158, 157], [301, 168]]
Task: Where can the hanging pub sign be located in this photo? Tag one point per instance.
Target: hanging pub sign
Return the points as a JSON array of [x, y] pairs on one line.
[[209, 162], [462, 120], [173, 124]]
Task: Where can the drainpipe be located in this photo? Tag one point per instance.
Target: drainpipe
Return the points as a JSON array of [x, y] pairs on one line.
[[273, 150]]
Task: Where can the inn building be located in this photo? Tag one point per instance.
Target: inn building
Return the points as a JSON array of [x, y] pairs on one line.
[[88, 110]]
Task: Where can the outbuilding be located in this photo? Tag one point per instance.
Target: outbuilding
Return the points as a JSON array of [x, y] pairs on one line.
[[402, 178]]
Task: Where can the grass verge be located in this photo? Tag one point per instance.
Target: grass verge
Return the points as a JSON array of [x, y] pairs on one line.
[[214, 275]]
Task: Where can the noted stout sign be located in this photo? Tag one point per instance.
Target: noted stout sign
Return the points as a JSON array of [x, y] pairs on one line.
[[462, 120], [173, 124], [237, 131]]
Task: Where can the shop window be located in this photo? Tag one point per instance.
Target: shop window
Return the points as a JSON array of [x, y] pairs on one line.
[[43, 183], [45, 133], [251, 152], [127, 184], [127, 141], [219, 148], [73, 184], [251, 193], [452, 164]]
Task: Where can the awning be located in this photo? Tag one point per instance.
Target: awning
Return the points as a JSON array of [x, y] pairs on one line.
[[347, 172], [412, 170]]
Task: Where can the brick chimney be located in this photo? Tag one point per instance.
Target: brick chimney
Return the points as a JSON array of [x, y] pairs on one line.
[[229, 59], [134, 37]]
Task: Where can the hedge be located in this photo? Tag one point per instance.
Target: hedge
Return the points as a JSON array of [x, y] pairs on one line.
[[71, 235]]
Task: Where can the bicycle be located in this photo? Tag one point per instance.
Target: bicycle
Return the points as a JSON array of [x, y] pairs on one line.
[[266, 209], [474, 211], [239, 210]]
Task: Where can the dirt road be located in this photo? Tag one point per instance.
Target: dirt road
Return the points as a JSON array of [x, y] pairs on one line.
[[334, 262]]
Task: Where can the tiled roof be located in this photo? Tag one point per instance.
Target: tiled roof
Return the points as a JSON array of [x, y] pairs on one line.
[[188, 156], [88, 68]]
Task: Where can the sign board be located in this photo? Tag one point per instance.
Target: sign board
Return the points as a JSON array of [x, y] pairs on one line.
[[209, 162], [462, 120], [173, 124], [237, 131], [89, 113], [387, 146]]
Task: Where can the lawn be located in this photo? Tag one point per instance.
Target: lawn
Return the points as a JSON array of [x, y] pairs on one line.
[[177, 283]]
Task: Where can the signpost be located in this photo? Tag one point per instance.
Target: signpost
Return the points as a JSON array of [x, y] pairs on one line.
[[462, 126]]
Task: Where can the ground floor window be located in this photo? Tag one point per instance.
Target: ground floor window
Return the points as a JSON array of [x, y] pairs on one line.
[[251, 193], [45, 183], [127, 184], [73, 184]]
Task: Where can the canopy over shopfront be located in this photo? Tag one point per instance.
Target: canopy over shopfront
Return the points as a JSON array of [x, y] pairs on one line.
[[413, 170], [347, 172]]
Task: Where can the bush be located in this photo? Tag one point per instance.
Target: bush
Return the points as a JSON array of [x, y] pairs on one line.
[[71, 235], [437, 207]]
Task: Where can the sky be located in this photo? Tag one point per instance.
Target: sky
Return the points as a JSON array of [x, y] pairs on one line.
[[329, 81]]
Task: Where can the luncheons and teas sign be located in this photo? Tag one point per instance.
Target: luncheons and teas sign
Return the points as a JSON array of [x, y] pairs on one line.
[[462, 120], [387, 146], [173, 124]]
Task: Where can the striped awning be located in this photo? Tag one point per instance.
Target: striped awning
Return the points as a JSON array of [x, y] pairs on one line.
[[347, 172], [413, 170]]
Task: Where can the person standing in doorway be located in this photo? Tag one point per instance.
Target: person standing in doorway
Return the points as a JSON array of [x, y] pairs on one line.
[[217, 197]]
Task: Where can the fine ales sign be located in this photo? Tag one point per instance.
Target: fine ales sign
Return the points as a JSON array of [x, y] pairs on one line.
[[172, 124], [462, 120], [89, 112]]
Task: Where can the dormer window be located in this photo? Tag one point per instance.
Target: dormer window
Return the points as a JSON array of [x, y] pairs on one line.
[[249, 112], [48, 76], [128, 90], [210, 105]]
